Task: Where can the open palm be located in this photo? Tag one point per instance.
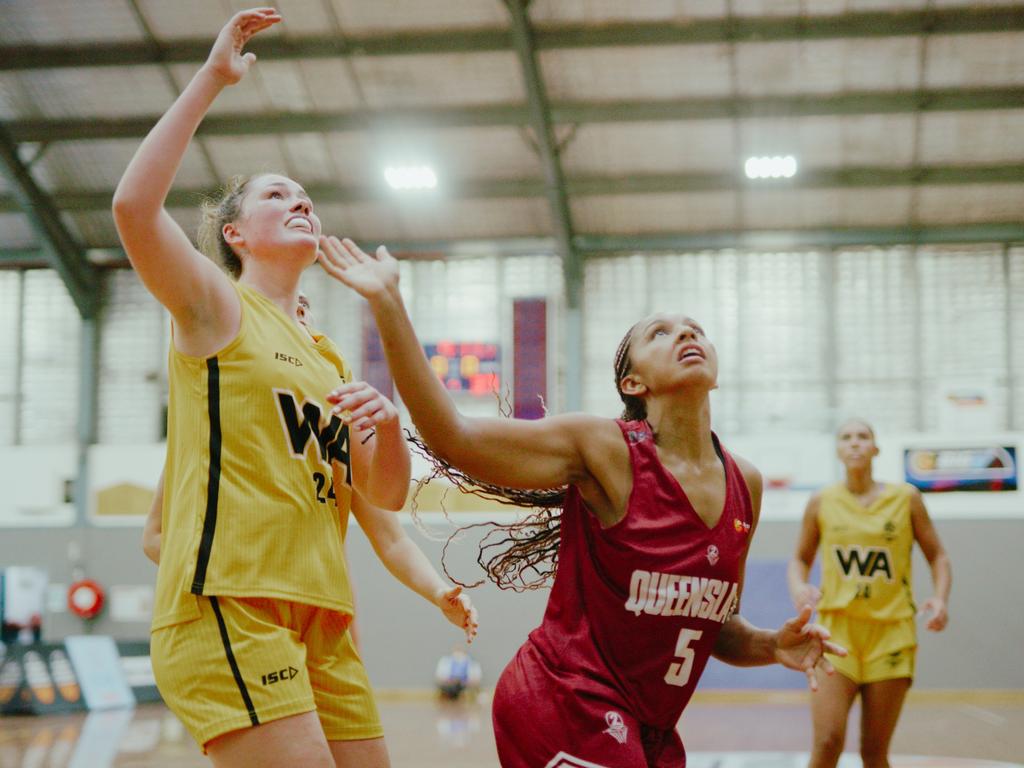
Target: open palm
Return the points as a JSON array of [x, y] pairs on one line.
[[226, 59], [802, 646], [365, 274]]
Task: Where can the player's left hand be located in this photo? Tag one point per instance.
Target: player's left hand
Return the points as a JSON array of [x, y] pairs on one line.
[[802, 646], [935, 609], [362, 406], [458, 609]]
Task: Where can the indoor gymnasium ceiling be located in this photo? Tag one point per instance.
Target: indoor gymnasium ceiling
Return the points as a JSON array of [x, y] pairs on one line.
[[570, 126]]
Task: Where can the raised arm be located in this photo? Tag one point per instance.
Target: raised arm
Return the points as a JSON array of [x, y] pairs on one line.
[[195, 291], [942, 569], [797, 572], [407, 563], [545, 453]]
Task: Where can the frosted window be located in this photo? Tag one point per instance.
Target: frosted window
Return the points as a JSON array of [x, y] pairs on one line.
[[133, 352], [1016, 310], [963, 329], [780, 345], [875, 311], [615, 295], [49, 412], [9, 313]]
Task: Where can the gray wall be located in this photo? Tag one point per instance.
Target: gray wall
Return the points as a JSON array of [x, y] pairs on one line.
[[402, 636]]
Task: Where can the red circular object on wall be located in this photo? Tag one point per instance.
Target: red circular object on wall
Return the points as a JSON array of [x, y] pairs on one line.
[[85, 599]]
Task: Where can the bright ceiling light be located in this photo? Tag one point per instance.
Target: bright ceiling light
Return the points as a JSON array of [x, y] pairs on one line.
[[774, 167], [410, 177]]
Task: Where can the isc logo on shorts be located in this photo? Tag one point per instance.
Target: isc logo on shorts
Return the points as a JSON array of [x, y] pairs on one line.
[[280, 675]]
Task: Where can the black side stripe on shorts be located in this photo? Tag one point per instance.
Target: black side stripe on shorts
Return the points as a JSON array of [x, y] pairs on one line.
[[213, 483], [234, 664]]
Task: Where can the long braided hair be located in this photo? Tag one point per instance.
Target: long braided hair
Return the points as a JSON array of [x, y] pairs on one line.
[[522, 555]]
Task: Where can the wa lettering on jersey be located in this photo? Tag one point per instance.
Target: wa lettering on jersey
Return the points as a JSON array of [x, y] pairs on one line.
[[864, 562], [671, 594], [305, 422]]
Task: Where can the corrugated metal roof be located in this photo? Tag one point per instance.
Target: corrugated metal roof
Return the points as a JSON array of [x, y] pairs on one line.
[[891, 125]]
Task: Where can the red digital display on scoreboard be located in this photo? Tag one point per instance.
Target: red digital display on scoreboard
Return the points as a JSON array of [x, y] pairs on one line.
[[466, 366]]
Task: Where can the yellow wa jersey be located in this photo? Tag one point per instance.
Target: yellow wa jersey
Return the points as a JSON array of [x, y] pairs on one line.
[[249, 509], [865, 553]]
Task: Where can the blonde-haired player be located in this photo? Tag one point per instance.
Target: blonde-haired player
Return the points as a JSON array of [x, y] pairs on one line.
[[866, 530], [252, 599]]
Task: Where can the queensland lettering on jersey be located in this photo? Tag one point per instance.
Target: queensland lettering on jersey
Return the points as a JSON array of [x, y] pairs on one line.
[[673, 594], [301, 424]]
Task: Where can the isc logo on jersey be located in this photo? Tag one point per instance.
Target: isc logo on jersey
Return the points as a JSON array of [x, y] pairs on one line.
[[864, 562]]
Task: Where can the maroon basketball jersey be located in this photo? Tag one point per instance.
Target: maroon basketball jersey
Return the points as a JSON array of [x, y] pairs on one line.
[[636, 608]]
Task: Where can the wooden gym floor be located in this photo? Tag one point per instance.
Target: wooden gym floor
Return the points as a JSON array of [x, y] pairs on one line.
[[721, 730]]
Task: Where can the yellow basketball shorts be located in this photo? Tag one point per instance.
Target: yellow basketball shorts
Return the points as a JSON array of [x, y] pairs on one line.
[[878, 650], [247, 661]]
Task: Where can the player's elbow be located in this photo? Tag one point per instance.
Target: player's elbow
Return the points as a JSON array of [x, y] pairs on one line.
[[391, 497]]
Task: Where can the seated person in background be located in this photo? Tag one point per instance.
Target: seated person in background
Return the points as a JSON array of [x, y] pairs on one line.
[[455, 673]]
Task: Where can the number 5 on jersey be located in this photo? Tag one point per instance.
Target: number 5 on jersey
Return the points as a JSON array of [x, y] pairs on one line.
[[679, 671]]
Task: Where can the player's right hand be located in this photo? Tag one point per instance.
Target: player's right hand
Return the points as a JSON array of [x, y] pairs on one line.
[[226, 61]]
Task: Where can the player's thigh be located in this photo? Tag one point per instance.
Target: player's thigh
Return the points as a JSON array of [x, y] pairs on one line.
[[881, 704], [830, 705], [290, 741], [360, 753], [341, 687]]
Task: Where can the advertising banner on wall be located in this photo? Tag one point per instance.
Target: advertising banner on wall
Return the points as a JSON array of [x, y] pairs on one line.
[[986, 468]]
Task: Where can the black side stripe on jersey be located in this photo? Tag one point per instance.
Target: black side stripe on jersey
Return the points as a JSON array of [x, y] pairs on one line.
[[234, 664], [213, 484]]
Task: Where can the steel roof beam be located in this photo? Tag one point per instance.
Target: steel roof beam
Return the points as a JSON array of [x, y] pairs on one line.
[[596, 245], [59, 247], [78, 201], [514, 115], [547, 147], [858, 25]]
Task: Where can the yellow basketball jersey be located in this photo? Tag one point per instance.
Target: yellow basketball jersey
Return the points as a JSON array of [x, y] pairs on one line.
[[249, 509], [865, 553]]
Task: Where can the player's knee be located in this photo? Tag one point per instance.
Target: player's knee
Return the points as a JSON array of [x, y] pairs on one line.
[[873, 752], [830, 741]]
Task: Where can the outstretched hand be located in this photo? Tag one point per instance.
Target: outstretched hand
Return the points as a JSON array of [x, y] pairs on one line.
[[226, 61], [367, 275], [458, 609], [802, 646]]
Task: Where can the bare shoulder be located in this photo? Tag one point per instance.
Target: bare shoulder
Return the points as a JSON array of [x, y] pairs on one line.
[[591, 432], [751, 474]]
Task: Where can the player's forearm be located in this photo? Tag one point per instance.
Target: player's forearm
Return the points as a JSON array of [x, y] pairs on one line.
[[741, 644], [430, 407], [407, 563], [147, 180], [390, 469], [796, 576], [942, 576]]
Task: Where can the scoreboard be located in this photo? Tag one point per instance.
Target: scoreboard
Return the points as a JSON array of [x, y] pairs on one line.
[[466, 366]]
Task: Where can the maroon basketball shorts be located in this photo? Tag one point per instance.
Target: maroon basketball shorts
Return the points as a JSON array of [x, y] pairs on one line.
[[548, 719]]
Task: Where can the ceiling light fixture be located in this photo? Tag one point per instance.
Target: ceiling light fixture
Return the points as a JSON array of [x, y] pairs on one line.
[[774, 167], [406, 177]]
